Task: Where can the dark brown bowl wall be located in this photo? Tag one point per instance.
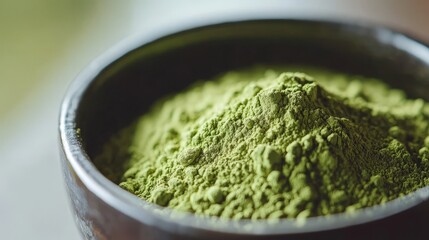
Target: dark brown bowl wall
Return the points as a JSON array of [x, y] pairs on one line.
[[126, 88]]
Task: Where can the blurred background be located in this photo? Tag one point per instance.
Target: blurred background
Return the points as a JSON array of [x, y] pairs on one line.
[[44, 44]]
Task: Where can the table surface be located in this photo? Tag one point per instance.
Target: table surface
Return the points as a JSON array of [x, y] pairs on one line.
[[45, 44]]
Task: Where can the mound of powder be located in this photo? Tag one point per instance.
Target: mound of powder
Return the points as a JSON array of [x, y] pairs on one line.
[[264, 145]]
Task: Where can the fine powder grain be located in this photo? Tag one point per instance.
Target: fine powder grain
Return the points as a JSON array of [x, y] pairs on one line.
[[258, 144]]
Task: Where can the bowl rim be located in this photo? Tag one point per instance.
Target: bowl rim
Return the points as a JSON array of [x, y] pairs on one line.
[[167, 219]]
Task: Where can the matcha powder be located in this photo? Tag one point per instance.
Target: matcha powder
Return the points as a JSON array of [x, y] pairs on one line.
[[257, 144]]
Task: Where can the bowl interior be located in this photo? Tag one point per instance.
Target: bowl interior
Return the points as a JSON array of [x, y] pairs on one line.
[[128, 86], [124, 88]]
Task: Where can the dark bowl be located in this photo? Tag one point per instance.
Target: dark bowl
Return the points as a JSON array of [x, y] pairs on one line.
[[123, 83]]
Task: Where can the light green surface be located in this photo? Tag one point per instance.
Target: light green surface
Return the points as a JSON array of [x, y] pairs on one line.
[[34, 35], [43, 46]]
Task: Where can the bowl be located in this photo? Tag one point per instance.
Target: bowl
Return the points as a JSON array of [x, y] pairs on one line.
[[123, 83]]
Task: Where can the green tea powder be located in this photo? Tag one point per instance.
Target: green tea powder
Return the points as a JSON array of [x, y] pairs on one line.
[[258, 144]]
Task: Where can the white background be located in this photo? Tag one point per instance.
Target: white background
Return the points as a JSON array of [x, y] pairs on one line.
[[45, 43]]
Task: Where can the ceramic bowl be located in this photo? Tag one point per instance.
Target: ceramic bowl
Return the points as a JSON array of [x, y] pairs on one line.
[[123, 83]]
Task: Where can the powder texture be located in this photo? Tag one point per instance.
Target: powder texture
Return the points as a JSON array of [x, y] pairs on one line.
[[265, 145]]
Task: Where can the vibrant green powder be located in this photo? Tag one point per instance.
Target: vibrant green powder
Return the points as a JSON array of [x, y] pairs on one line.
[[263, 145]]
